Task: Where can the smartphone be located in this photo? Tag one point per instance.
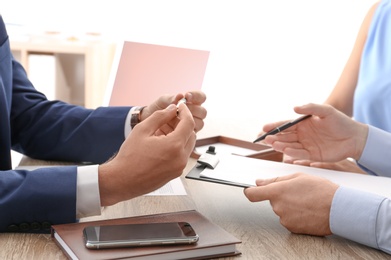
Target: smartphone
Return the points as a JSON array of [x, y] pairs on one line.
[[133, 235]]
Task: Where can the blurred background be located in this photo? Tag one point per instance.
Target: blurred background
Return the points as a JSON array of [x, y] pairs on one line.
[[265, 56]]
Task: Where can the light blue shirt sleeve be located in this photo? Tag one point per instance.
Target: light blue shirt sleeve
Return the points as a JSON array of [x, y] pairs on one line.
[[362, 217], [377, 152], [365, 217]]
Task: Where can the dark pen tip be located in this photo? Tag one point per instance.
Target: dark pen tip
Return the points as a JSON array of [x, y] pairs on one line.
[[257, 140]]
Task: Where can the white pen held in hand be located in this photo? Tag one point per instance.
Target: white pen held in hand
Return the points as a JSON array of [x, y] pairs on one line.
[[183, 100]]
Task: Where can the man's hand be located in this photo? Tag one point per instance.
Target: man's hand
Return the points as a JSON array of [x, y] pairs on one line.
[[301, 201], [194, 100], [147, 161], [343, 165]]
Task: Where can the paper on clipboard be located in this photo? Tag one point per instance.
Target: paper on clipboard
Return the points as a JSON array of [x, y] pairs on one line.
[[233, 169]]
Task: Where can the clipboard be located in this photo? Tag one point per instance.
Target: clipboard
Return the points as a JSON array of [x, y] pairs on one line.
[[195, 174], [238, 170], [258, 151], [209, 158]]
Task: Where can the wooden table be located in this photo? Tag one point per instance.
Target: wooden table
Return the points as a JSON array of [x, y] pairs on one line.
[[255, 224]]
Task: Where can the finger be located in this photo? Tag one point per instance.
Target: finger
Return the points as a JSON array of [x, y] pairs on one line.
[[325, 165], [176, 98], [314, 109], [268, 188], [161, 103], [185, 126], [157, 120], [199, 114], [199, 124], [283, 146], [302, 162], [288, 159], [255, 194], [165, 100], [270, 126], [297, 153], [286, 137], [191, 142], [195, 97], [168, 128], [197, 111], [165, 129], [264, 182]]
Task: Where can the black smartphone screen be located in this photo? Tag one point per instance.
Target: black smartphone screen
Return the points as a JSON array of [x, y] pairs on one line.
[[139, 234]]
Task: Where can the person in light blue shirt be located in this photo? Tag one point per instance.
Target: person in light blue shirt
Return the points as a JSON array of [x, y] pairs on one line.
[[363, 90], [308, 204], [373, 91]]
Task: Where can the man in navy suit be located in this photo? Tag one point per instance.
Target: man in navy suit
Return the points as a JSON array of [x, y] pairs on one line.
[[124, 165]]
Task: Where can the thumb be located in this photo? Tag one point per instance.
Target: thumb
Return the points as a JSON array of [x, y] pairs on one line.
[[267, 189], [314, 109], [159, 104]]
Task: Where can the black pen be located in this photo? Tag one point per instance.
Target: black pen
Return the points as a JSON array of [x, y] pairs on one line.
[[282, 128]]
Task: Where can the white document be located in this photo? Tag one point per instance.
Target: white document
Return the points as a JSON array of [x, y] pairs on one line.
[[173, 187], [226, 149], [246, 170]]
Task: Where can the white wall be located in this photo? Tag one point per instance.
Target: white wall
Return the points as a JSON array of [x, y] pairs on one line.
[[266, 56]]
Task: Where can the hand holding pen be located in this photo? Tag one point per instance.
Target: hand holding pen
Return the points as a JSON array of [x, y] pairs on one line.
[[282, 128]]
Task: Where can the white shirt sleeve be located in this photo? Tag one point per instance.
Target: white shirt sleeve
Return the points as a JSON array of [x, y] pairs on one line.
[[87, 194]]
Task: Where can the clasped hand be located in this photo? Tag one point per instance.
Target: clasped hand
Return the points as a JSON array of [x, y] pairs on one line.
[[156, 151]]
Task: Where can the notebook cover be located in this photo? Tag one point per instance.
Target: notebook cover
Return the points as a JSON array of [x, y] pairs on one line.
[[210, 235]]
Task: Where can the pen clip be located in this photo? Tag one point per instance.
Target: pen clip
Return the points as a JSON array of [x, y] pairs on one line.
[[209, 158]]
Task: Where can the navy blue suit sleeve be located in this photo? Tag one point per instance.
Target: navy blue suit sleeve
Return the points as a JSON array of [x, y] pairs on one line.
[[54, 130], [31, 201]]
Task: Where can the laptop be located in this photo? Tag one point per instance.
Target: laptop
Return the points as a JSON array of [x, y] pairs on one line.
[[142, 72]]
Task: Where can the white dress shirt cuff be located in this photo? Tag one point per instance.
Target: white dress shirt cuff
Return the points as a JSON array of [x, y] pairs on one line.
[[87, 194]]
